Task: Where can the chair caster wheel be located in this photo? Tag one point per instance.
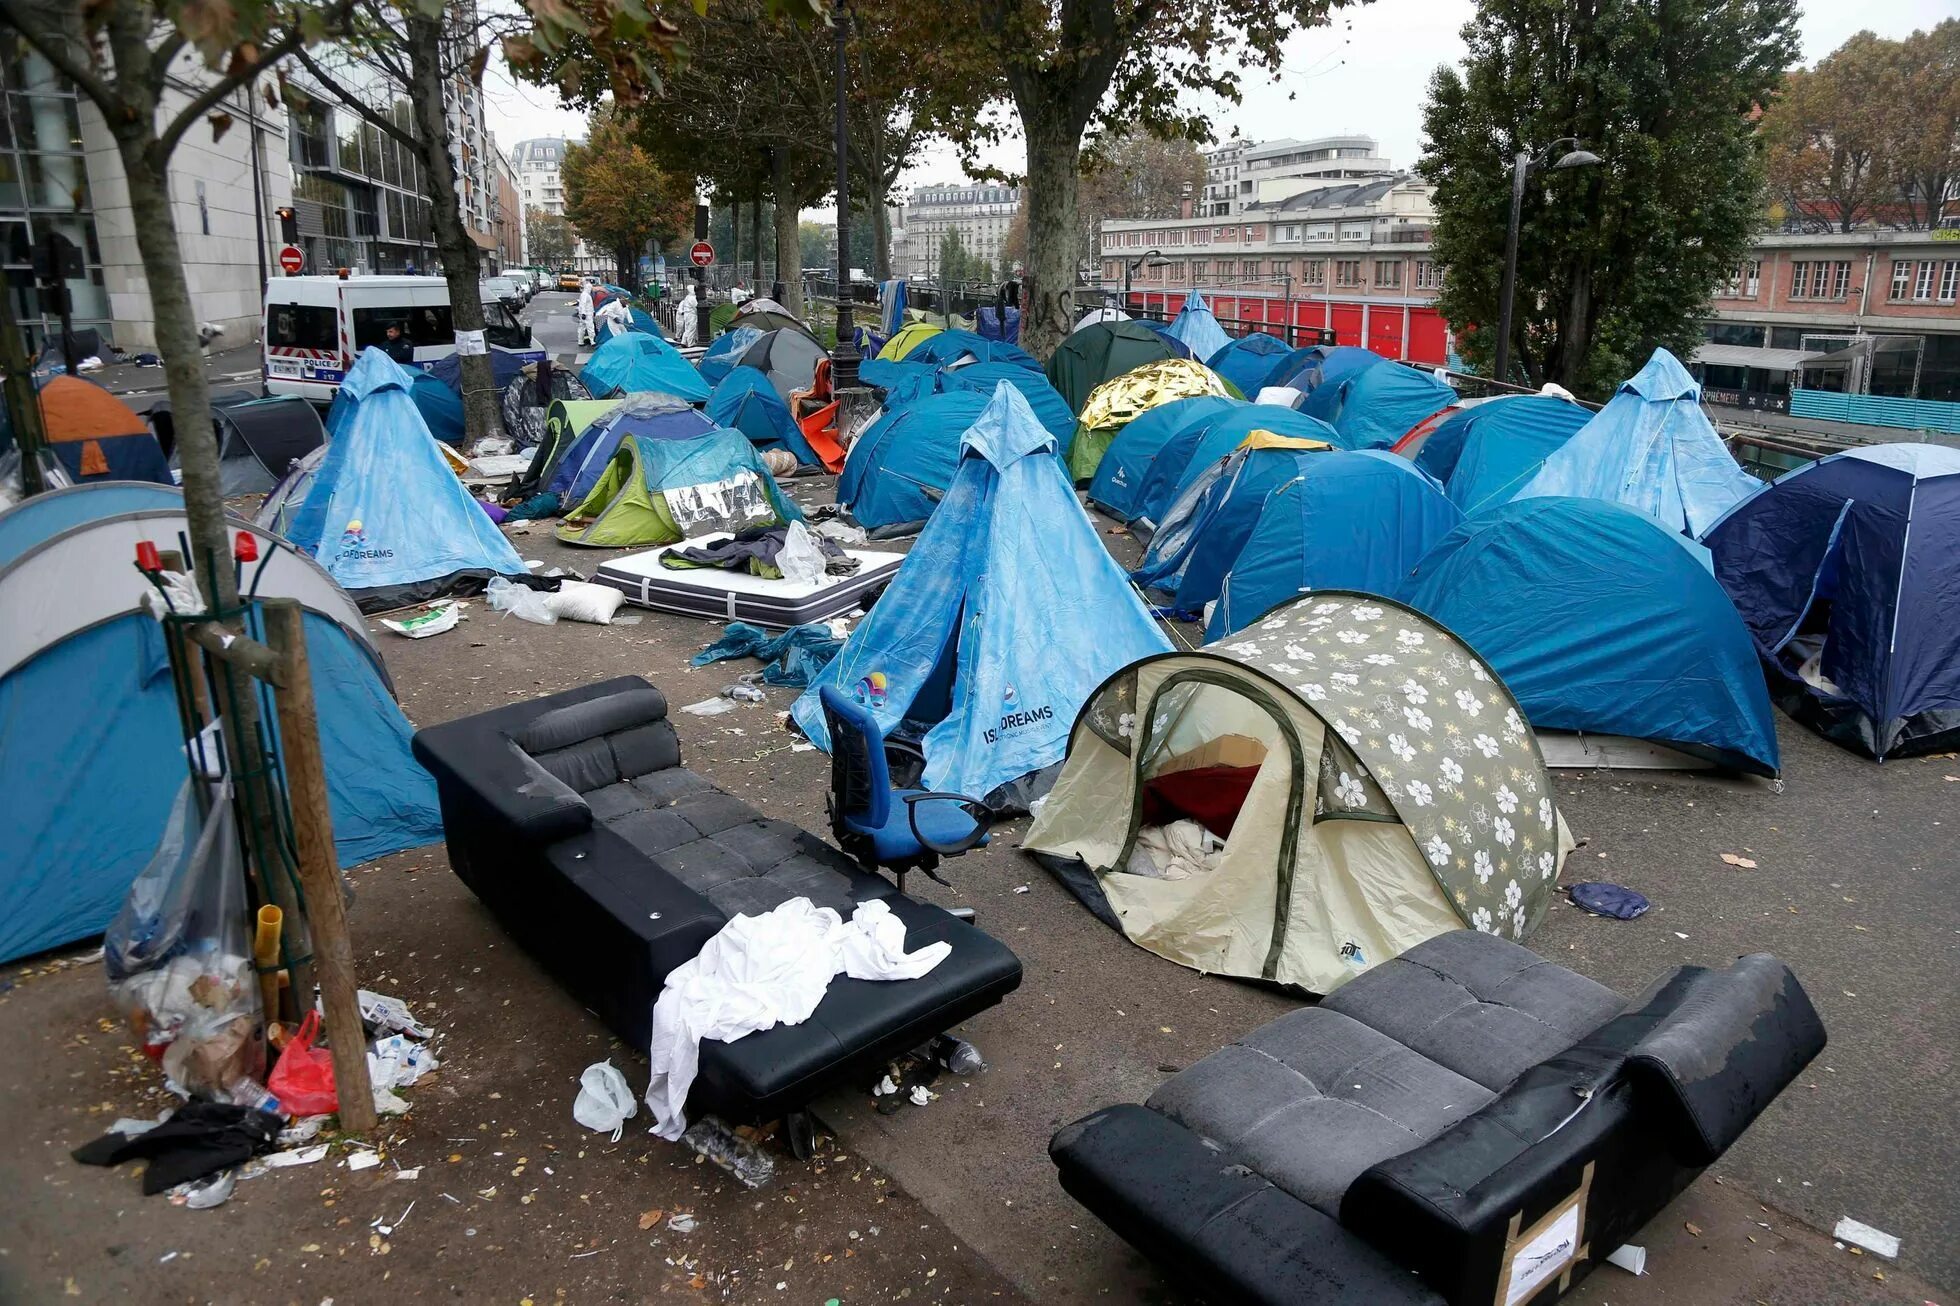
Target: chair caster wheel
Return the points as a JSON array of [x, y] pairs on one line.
[[800, 1132]]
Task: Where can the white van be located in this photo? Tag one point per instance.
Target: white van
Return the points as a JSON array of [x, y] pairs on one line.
[[316, 326]]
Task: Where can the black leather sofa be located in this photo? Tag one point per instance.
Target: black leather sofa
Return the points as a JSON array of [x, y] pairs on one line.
[[1467, 1124], [573, 820]]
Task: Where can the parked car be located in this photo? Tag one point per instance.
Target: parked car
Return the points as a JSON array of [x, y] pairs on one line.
[[569, 280], [503, 288]]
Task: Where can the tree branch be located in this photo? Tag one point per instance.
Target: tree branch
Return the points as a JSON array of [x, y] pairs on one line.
[[53, 45], [361, 109], [203, 102]]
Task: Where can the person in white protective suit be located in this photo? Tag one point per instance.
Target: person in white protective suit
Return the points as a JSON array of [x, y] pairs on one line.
[[587, 323], [613, 316], [687, 319]]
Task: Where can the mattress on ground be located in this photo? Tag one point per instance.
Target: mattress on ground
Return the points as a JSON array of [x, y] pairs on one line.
[[738, 596]]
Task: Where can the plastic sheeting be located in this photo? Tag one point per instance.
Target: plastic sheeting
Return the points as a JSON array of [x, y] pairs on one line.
[[1601, 620], [1482, 453], [1198, 328], [1374, 407], [1007, 612], [899, 469], [635, 362], [1652, 449]]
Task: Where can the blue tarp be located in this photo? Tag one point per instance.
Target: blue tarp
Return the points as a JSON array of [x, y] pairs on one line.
[[900, 467], [1197, 328], [1307, 369], [1357, 520], [1248, 361], [956, 345], [1860, 548], [1196, 446], [385, 515], [726, 352], [1007, 613], [635, 362], [656, 416], [1599, 619], [745, 401], [1374, 407], [1201, 535], [1653, 449], [1119, 480], [1483, 452], [989, 321]]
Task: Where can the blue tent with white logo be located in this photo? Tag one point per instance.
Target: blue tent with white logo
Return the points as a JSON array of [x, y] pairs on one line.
[[1247, 361], [91, 743], [1653, 449], [1117, 487], [899, 469], [1196, 446], [1007, 613], [1198, 328], [656, 416], [1374, 407], [746, 401], [726, 352], [633, 362], [1352, 520], [1484, 452], [384, 514], [1602, 620], [1847, 573]]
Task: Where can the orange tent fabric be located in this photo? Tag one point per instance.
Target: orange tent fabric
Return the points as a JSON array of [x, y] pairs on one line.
[[73, 409]]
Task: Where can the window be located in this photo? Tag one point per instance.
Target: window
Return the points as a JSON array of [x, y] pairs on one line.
[[1388, 273], [1347, 272], [1289, 232], [1315, 271], [1249, 268], [1354, 231], [1901, 278], [427, 324], [1800, 280], [1320, 233], [1949, 280], [1841, 279], [1429, 275], [1923, 287], [1752, 277], [301, 326]]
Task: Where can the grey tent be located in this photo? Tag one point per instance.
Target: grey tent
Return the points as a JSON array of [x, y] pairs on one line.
[[766, 314], [259, 439], [788, 358]]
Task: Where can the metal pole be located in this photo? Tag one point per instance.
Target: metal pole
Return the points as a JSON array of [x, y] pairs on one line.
[[844, 358], [1288, 337], [1500, 366], [701, 325]]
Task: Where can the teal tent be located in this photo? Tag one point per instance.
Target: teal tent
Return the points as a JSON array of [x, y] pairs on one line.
[[1376, 406], [901, 466], [746, 401], [633, 361]]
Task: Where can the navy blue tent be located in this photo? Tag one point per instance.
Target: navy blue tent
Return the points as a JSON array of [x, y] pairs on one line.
[[900, 468], [1195, 446], [1485, 450], [1307, 369], [441, 407], [726, 351], [1118, 483], [1601, 620], [1247, 361], [1847, 573], [656, 416], [1007, 613], [1353, 520], [955, 346], [989, 321], [1201, 536], [746, 401], [1374, 407]]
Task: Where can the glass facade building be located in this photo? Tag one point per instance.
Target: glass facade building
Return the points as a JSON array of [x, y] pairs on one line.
[[361, 196], [44, 189]]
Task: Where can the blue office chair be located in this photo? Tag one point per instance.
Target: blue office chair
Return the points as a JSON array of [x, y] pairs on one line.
[[884, 827]]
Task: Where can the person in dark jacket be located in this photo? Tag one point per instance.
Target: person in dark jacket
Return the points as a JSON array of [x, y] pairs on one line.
[[397, 345]]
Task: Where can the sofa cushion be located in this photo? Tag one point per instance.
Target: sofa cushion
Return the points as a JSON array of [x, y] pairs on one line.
[[1315, 1098], [572, 723], [1480, 1005], [543, 806]]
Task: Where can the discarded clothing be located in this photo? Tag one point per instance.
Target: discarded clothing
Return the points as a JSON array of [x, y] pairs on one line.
[[1602, 899], [763, 971], [201, 1139], [543, 504], [794, 657], [756, 551], [1175, 852]]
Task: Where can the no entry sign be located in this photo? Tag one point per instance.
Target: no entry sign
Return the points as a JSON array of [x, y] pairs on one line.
[[292, 260], [702, 254]]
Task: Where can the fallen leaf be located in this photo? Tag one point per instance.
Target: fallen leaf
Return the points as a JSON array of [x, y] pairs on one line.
[[1733, 859], [650, 1218], [1693, 1228]]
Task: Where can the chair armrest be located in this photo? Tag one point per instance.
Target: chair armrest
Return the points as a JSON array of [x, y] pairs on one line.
[[493, 776], [973, 808]]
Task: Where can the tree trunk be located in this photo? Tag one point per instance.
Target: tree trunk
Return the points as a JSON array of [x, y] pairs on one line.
[[735, 236], [482, 414], [755, 237], [881, 230], [1054, 159], [789, 241], [1575, 332]]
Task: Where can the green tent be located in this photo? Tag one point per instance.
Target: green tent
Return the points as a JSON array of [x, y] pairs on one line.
[[1101, 351], [659, 491], [564, 422]]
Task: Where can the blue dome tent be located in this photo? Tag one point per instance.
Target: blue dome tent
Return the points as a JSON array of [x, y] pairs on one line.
[[1374, 407], [441, 407], [1248, 361], [1354, 520], [948, 347], [656, 416], [1117, 486], [1007, 613], [384, 514], [92, 732], [726, 352], [1652, 449], [1195, 446], [1307, 369], [745, 401], [1602, 621], [1481, 450], [1195, 326], [900, 468], [1049, 408], [633, 362], [1847, 573]]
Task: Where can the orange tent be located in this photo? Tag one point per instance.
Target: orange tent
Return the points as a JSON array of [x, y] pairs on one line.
[[97, 436]]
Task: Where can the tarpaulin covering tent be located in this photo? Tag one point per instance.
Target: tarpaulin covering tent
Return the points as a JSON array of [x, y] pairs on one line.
[[1050, 409], [1095, 353], [636, 363], [1482, 452], [902, 464], [1118, 483], [663, 491], [906, 339], [1113, 404], [1309, 368], [92, 740], [948, 348], [726, 352], [1353, 520], [767, 315], [97, 436], [998, 323], [1356, 820], [1603, 621], [745, 401], [1197, 328], [384, 513], [1650, 448], [564, 422], [788, 358], [1005, 614], [1374, 407], [1847, 573], [654, 416], [1247, 361], [1196, 446]]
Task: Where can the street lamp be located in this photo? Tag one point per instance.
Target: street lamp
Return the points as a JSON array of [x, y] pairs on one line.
[[1130, 268], [844, 358], [1522, 166]]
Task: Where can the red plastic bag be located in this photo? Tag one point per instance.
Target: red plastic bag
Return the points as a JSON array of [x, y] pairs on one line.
[[303, 1079]]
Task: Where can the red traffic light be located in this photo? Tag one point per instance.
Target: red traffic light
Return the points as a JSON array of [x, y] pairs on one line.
[[245, 547], [147, 557]]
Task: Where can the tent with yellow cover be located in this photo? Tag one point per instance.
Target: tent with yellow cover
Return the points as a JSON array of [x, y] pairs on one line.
[[907, 338], [1115, 402]]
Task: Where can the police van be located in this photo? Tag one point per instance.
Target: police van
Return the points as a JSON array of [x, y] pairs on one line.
[[315, 327]]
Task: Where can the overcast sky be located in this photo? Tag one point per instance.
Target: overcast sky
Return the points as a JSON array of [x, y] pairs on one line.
[[1366, 72]]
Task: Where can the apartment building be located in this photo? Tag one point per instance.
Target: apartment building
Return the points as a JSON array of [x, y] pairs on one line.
[[1239, 174], [980, 212]]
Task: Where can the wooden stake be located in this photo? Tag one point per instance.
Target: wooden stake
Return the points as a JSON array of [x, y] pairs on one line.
[[319, 868]]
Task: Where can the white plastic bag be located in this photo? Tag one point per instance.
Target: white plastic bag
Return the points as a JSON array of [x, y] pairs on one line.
[[578, 600], [520, 601], [605, 1103], [800, 560]]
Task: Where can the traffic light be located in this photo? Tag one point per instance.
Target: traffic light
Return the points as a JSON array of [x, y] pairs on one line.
[[288, 224]]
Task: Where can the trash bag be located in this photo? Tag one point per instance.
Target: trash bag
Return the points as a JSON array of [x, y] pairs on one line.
[[303, 1079], [605, 1102], [520, 601], [178, 955], [801, 561]]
